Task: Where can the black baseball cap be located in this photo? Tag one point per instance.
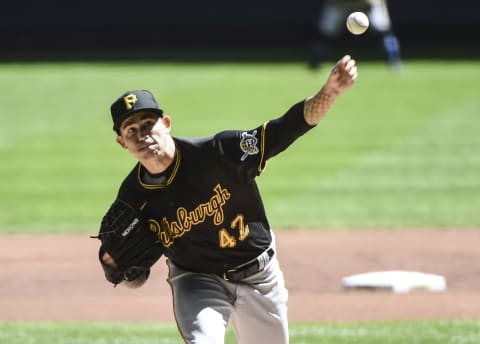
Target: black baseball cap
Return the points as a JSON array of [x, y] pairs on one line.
[[130, 103]]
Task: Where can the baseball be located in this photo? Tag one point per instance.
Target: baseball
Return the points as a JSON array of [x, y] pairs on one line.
[[357, 23]]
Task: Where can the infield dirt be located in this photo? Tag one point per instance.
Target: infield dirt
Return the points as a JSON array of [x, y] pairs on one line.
[[58, 277]]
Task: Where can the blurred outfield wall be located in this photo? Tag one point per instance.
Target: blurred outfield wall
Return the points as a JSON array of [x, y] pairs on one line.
[[157, 26]]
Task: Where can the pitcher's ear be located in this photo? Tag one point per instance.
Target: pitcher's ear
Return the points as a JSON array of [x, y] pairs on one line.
[[121, 142], [167, 121]]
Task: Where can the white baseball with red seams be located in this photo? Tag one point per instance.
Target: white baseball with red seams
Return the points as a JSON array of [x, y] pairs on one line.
[[357, 23]]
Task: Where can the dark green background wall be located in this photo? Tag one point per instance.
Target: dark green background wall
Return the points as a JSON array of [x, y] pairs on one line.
[[126, 27]]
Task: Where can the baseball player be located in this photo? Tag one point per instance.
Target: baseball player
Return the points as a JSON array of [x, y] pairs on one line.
[[331, 24], [196, 202]]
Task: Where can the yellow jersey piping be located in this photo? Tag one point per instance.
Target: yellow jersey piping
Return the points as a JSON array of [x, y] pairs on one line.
[[169, 180], [262, 146]]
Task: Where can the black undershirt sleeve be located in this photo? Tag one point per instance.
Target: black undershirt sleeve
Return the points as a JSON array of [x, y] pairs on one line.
[[283, 131], [248, 151]]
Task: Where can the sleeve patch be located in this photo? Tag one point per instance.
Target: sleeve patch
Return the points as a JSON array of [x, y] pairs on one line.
[[249, 144]]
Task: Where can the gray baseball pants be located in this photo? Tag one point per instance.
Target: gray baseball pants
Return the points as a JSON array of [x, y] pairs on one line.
[[205, 303]]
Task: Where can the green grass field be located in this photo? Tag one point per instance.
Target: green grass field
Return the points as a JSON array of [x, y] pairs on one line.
[[398, 150], [400, 332]]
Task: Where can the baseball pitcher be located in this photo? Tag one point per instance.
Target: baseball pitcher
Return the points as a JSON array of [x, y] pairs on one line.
[[196, 202]]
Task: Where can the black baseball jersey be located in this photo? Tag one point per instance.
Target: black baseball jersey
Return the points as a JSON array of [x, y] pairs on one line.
[[206, 208]]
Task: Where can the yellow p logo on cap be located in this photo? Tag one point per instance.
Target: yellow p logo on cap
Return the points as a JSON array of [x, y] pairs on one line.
[[130, 100]]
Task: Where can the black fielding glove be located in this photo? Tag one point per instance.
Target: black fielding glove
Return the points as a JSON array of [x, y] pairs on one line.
[[131, 245]]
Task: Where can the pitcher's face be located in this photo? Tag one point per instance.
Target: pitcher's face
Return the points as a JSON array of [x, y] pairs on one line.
[[144, 135]]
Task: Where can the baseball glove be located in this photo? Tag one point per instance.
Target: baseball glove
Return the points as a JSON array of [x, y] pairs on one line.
[[131, 245]]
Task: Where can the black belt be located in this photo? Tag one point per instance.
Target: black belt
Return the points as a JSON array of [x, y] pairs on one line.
[[249, 268]]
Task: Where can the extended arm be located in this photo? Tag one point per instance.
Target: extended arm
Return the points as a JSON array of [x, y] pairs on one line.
[[341, 78]]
